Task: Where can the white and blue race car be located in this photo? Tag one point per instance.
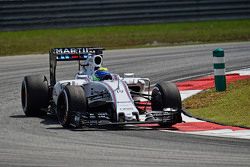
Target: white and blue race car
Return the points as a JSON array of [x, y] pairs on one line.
[[87, 100]]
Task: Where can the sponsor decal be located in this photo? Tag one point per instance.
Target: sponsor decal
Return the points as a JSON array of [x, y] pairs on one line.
[[125, 105], [72, 57], [119, 91], [126, 109], [70, 50]]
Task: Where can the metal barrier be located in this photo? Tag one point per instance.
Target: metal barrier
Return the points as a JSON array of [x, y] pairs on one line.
[[38, 14]]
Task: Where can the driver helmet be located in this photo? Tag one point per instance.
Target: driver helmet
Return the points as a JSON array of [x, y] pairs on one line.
[[102, 74]]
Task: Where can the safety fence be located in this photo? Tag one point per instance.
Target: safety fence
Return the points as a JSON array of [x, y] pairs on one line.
[[38, 14]]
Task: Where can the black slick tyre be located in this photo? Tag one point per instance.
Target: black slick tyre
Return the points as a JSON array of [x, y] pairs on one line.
[[71, 100], [167, 95], [34, 95]]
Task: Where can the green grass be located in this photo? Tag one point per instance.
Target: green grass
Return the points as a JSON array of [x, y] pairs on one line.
[[231, 107], [110, 37]]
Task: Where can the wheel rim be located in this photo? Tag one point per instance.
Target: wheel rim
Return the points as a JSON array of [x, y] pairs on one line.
[[24, 96], [157, 99], [63, 109]]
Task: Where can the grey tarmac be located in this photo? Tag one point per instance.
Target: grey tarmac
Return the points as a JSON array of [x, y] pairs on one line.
[[42, 142]]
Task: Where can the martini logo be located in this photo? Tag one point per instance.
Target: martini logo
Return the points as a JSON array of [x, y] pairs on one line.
[[71, 50]]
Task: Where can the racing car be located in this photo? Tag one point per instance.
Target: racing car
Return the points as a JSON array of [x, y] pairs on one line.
[[110, 100]]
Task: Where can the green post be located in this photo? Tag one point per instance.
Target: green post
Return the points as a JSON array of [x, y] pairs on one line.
[[219, 69]]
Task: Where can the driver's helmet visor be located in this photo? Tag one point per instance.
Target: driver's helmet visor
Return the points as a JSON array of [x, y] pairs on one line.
[[101, 73]]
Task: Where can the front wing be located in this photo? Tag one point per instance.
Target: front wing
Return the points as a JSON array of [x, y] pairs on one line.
[[102, 119]]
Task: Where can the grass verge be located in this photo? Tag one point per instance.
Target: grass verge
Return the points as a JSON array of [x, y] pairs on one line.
[[231, 107], [110, 37]]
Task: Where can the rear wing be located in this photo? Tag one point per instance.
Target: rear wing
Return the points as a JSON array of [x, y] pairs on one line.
[[69, 54]]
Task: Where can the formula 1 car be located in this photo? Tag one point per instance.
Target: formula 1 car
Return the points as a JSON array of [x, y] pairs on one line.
[[113, 100]]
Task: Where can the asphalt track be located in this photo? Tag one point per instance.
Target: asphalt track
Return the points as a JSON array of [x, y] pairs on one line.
[[42, 142]]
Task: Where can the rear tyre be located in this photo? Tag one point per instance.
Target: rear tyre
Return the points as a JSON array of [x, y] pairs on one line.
[[167, 95], [34, 95], [71, 100]]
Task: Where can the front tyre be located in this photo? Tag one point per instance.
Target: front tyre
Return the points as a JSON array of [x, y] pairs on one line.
[[167, 95], [70, 101], [34, 95]]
